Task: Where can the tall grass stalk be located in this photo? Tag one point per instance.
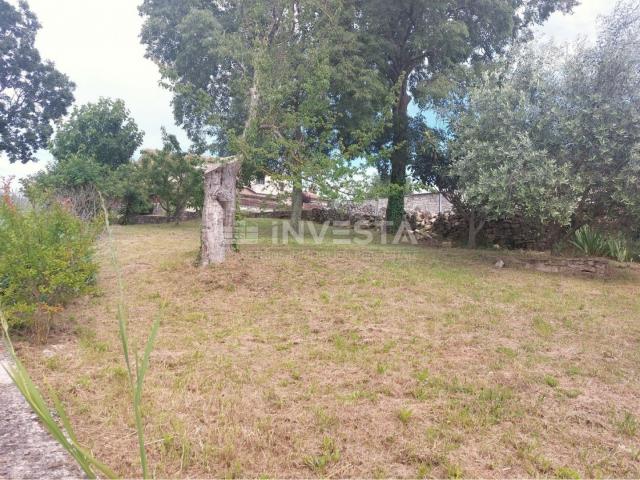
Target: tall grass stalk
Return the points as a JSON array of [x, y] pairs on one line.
[[137, 369], [64, 433]]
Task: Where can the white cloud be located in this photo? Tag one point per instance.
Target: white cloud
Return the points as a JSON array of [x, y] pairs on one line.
[[583, 22]]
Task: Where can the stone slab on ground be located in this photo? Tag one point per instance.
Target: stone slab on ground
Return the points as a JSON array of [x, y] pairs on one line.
[[27, 451]]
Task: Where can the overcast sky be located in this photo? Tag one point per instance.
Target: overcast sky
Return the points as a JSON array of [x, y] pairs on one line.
[[96, 43]]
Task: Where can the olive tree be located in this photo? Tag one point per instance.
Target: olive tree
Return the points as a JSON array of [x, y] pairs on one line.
[[554, 133]]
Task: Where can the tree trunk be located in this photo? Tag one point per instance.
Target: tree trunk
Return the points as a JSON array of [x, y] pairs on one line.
[[296, 208], [219, 211], [178, 214], [473, 230], [219, 208], [399, 158]]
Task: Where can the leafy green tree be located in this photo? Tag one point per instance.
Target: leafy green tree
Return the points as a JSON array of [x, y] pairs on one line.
[[417, 45], [598, 129], [33, 94], [500, 169], [104, 131], [277, 81], [74, 171], [174, 177], [129, 192], [298, 136], [552, 135]]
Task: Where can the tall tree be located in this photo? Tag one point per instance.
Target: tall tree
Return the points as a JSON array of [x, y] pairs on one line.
[[104, 131], [306, 76], [278, 81], [33, 94], [416, 43], [598, 132]]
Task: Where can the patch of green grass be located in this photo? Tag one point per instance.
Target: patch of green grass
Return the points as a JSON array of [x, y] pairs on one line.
[[347, 345], [379, 473], [294, 372], [388, 346], [574, 371], [571, 392], [119, 373], [542, 327], [53, 363], [567, 473], [424, 471], [454, 471], [329, 454], [420, 393], [531, 459], [627, 424], [551, 381], [404, 415], [324, 419], [422, 375], [460, 416], [194, 317], [494, 403], [507, 352], [358, 395]]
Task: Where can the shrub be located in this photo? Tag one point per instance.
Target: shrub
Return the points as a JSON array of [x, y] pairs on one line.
[[45, 261], [76, 181], [590, 242]]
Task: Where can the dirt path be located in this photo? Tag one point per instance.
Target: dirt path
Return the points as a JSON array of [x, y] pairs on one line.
[[27, 451]]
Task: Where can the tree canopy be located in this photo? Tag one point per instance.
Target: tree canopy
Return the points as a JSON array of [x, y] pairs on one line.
[[416, 45], [104, 131], [33, 94], [553, 134], [279, 81], [173, 177]]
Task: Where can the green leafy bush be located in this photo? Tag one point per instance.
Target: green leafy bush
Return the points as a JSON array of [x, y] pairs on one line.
[[45, 261], [76, 181]]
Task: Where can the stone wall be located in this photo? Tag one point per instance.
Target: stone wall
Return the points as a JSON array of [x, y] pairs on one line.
[[434, 203], [513, 233]]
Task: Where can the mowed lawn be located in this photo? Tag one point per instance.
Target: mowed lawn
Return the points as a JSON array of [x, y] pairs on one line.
[[352, 361]]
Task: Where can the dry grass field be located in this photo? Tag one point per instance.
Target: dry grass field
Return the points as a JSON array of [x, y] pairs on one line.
[[352, 361]]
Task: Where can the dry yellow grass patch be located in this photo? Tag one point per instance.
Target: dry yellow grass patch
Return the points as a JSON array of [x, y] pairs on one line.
[[353, 361]]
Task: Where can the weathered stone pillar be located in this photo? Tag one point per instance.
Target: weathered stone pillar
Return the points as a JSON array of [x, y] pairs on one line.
[[219, 211]]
